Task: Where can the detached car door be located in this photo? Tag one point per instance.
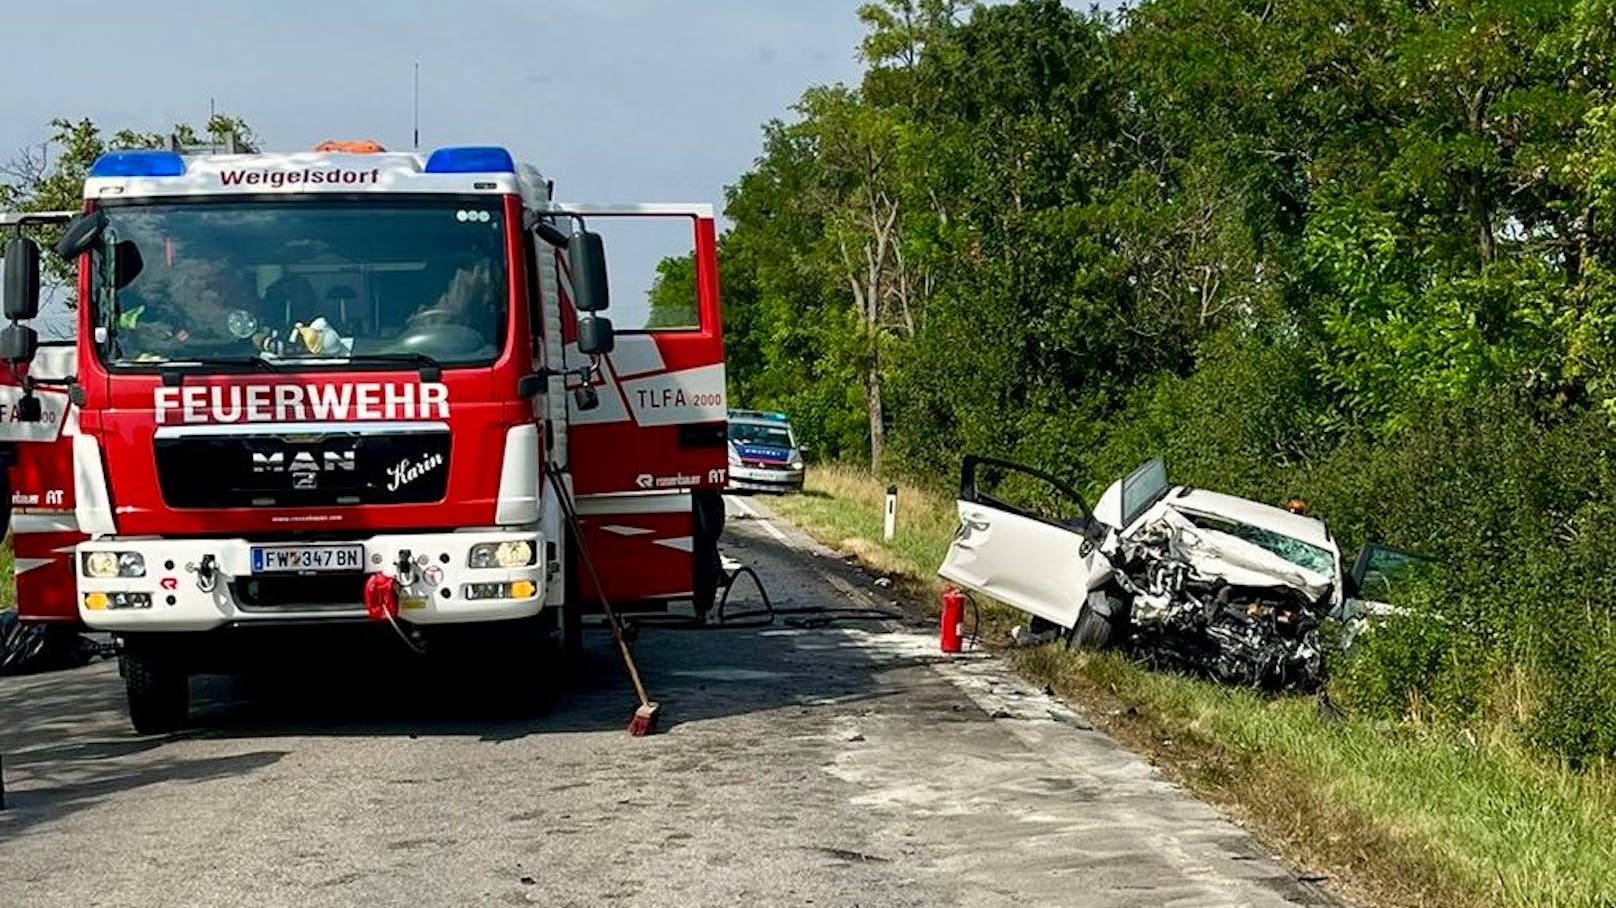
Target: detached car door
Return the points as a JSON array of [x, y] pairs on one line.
[[1024, 538]]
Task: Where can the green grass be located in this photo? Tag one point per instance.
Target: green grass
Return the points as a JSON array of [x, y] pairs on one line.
[[1395, 814], [8, 588]]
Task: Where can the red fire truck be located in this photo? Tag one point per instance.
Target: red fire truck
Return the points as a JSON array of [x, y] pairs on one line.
[[346, 389]]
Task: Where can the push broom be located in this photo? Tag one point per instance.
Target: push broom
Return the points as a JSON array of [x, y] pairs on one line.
[[645, 717]]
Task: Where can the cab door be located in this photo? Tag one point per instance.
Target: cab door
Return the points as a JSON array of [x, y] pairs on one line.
[[648, 459], [44, 525], [660, 421], [1024, 538]]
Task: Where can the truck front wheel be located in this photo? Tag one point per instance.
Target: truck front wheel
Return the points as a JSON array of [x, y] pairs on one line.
[[159, 691]]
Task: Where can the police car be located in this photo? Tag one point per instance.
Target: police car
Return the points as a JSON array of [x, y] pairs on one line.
[[763, 453]]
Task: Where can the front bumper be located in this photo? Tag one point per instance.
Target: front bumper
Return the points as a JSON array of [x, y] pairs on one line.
[[180, 599], [755, 479]]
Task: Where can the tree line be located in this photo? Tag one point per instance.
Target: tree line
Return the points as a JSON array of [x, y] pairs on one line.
[[1358, 251]]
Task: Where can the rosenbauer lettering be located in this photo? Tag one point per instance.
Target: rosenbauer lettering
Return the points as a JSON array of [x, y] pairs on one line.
[[224, 404]]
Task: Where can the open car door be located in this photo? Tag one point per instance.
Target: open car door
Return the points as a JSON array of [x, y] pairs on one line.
[[1375, 572], [1024, 538]]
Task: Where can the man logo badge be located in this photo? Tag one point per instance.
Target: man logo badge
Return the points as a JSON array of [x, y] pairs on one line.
[[303, 466]]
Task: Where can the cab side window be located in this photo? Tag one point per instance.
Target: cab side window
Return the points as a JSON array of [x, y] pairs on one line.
[[651, 264]]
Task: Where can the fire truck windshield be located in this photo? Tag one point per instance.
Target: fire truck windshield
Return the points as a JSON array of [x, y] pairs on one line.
[[301, 281]]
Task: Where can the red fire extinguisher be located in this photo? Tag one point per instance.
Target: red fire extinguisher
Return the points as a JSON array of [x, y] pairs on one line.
[[953, 623]]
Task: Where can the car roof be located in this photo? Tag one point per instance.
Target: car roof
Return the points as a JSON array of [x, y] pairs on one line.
[[760, 421], [1263, 516]]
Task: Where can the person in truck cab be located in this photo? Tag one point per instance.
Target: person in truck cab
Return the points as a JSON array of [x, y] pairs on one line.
[[191, 308], [458, 313], [291, 300]]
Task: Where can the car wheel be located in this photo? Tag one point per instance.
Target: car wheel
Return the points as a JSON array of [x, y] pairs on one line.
[[1093, 630]]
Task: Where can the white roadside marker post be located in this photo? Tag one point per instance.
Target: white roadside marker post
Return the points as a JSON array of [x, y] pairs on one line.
[[892, 513]]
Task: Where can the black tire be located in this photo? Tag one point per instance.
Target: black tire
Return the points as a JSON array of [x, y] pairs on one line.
[[707, 525], [572, 607], [159, 690], [527, 667], [1093, 630]]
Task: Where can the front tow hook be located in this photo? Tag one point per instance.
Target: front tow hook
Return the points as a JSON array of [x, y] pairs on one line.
[[207, 573]]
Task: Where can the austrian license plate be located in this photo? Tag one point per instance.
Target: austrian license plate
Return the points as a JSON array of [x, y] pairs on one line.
[[270, 559]]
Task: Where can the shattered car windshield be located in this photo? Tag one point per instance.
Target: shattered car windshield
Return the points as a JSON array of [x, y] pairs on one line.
[[330, 280], [1297, 552], [751, 433]]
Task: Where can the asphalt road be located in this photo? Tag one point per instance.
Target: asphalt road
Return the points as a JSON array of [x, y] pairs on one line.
[[845, 764]]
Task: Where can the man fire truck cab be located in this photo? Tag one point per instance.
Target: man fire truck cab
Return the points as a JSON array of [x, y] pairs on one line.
[[347, 388]]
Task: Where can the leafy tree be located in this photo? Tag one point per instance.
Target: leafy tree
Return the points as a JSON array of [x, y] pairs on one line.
[[672, 295], [1356, 250], [52, 177]]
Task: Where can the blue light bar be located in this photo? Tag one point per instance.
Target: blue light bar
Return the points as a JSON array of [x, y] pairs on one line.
[[138, 164], [471, 159]]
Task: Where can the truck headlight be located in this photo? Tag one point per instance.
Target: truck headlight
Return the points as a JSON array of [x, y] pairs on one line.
[[107, 565], [517, 553]]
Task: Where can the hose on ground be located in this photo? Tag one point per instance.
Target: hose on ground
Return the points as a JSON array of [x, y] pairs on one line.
[[768, 615]]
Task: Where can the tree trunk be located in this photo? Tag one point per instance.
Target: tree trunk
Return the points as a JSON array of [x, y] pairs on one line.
[[878, 430], [1481, 207]]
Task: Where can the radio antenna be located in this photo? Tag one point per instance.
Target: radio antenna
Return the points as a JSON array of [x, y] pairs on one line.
[[416, 138]]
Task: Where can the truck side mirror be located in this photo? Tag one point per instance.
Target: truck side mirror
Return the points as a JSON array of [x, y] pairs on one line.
[[18, 344], [22, 279], [586, 258], [595, 336], [548, 233], [81, 235]]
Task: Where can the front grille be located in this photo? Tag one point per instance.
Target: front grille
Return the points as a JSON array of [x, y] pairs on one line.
[[299, 593], [306, 470]]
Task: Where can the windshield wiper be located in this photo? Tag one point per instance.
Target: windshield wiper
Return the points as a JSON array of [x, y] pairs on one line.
[[173, 377], [431, 369]]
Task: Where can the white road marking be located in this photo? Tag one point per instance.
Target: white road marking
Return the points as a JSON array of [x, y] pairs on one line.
[[748, 510]]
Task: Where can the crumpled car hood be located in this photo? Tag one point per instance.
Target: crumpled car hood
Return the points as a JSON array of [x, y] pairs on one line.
[[1229, 558]]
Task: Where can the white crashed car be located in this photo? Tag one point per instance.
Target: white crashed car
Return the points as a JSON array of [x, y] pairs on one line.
[[1197, 579]]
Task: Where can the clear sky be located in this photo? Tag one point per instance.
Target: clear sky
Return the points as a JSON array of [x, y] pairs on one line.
[[616, 100]]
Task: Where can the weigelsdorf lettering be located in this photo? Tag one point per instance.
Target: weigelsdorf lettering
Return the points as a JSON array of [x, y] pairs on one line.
[[275, 179], [301, 403]]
